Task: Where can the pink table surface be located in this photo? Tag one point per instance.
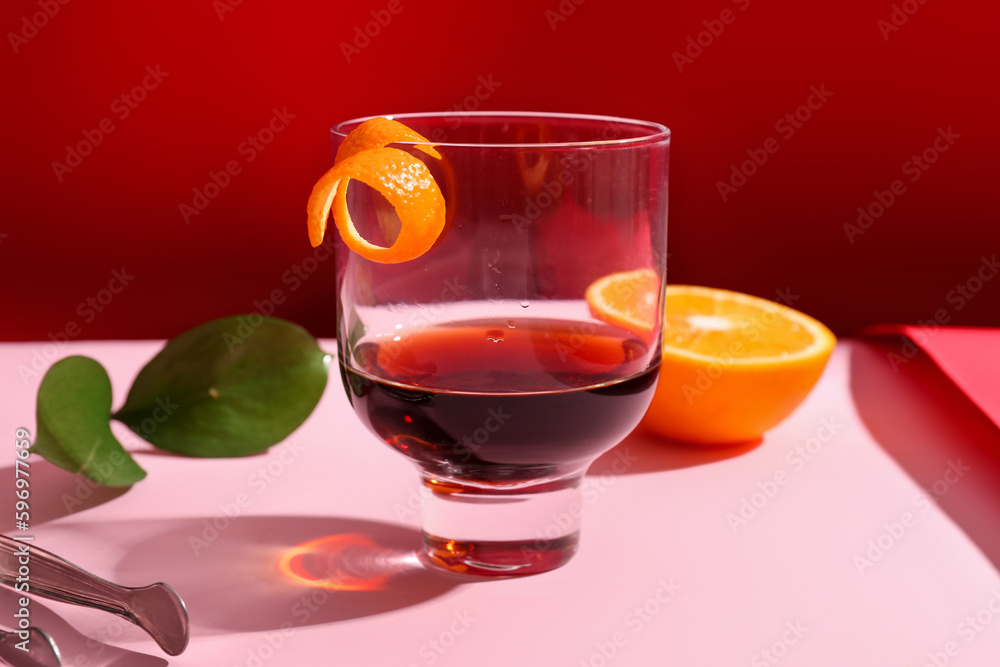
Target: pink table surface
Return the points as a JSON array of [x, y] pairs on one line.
[[844, 560]]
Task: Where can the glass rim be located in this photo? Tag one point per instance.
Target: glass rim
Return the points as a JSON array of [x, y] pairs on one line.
[[657, 131]]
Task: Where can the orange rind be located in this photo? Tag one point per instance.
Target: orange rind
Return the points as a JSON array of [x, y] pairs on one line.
[[733, 365], [402, 179], [378, 133]]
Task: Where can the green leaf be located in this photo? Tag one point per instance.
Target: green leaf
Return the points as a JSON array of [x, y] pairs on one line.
[[74, 432], [229, 387]]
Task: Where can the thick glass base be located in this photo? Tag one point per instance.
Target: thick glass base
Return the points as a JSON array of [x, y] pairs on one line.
[[499, 559], [501, 531]]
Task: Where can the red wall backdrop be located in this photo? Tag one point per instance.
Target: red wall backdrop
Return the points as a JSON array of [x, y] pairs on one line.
[[200, 78]]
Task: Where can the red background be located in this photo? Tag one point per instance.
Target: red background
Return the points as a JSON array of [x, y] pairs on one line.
[[782, 230]]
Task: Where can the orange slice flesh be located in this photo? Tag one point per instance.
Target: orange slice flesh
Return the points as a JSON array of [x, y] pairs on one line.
[[703, 323], [733, 365], [404, 181], [627, 300]]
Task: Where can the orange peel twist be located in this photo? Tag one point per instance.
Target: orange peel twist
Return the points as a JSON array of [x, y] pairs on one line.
[[404, 181]]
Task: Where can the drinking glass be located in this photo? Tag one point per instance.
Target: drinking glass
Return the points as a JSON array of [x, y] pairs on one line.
[[481, 360]]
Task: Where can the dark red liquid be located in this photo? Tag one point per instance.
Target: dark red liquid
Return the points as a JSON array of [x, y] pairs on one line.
[[543, 398]]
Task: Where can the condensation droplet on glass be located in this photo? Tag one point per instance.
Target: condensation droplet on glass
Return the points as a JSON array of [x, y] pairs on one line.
[[511, 324], [524, 304], [494, 336]]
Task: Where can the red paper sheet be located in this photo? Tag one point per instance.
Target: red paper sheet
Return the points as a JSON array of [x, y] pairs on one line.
[[969, 356]]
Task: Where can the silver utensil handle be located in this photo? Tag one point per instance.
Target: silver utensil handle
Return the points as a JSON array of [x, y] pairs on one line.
[[50, 576], [29, 648], [157, 609]]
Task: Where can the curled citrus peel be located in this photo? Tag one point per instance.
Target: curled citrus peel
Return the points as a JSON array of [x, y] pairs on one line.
[[379, 133], [404, 181]]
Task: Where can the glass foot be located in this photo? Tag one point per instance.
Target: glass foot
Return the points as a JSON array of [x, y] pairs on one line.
[[499, 559], [501, 531]]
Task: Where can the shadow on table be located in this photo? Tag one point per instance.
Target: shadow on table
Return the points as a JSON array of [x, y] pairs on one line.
[[255, 573], [76, 648], [644, 451], [936, 434], [65, 493]]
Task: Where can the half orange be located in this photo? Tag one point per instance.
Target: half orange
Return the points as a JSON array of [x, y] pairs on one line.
[[733, 365]]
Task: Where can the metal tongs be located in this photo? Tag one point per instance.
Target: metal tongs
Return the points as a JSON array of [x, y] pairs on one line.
[[157, 608]]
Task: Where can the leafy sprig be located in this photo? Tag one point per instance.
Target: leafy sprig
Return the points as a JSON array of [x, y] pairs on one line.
[[230, 387]]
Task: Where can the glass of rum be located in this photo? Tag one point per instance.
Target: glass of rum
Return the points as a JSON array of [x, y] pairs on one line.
[[481, 360]]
